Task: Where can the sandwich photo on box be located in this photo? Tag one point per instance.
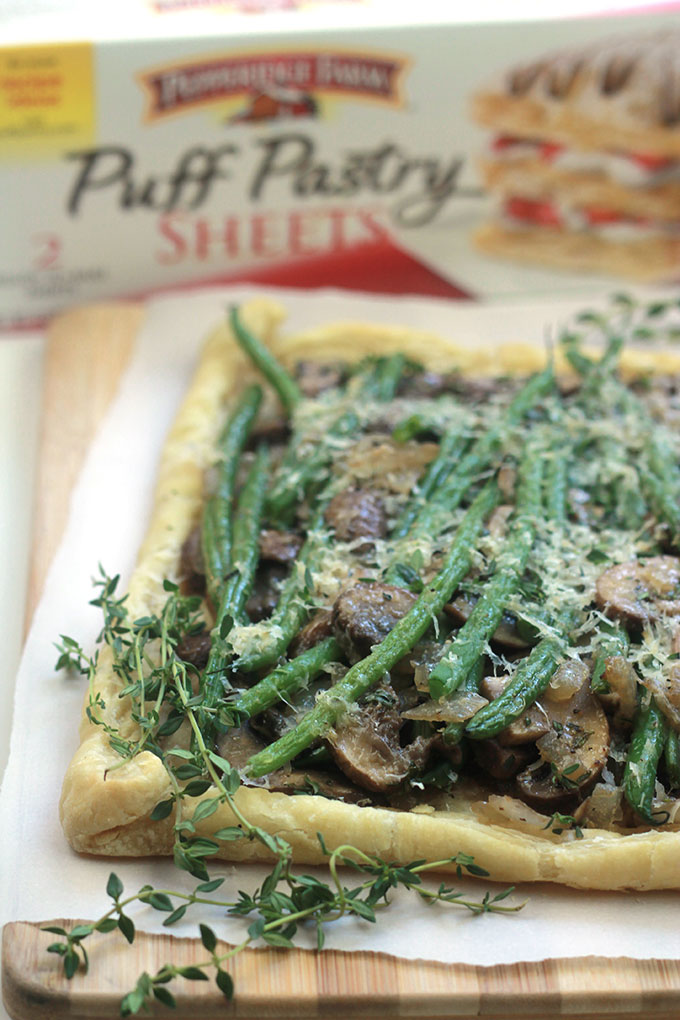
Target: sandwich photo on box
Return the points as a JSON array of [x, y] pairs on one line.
[[584, 160]]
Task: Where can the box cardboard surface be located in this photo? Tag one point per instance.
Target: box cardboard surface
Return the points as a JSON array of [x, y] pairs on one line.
[[299, 143]]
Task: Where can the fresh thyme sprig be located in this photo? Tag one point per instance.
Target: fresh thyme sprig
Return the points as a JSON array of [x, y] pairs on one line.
[[152, 675], [558, 823], [283, 903], [635, 319]]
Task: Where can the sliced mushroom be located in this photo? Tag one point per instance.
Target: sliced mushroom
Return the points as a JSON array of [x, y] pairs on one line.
[[314, 377], [453, 753], [320, 626], [536, 786], [573, 752], [279, 546], [357, 513], [577, 743], [500, 762], [506, 633], [272, 429], [191, 563], [195, 648], [640, 591], [239, 745], [492, 686], [365, 614], [313, 781], [365, 746], [265, 594]]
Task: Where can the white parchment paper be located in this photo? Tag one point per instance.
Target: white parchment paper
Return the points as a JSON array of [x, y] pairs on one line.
[[40, 877]]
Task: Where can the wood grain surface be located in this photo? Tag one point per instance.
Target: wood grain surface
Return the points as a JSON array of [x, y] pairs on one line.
[[291, 984], [87, 351]]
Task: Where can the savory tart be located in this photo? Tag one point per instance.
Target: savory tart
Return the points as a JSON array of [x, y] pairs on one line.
[[584, 161], [412, 596]]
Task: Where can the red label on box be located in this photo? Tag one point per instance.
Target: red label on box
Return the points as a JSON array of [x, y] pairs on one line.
[[286, 78]]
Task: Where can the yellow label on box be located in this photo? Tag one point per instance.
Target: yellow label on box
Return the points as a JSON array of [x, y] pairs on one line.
[[46, 98]]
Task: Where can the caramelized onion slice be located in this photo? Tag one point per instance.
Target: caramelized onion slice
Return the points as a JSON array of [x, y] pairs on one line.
[[622, 679], [603, 809], [458, 708], [640, 591], [512, 813], [566, 681], [666, 690]]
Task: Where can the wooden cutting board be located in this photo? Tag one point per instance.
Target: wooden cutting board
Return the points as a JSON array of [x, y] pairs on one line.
[[86, 354]]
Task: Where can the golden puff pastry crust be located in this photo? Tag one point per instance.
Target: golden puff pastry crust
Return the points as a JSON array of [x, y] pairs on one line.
[[106, 810]]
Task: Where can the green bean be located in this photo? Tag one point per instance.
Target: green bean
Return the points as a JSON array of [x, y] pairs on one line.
[[216, 532], [405, 633], [245, 557], [285, 680], [451, 448], [299, 472], [387, 376], [411, 428], [469, 643], [215, 547], [453, 733], [530, 680], [671, 755], [615, 642], [556, 485], [661, 483], [533, 675], [645, 749], [659, 470], [292, 608], [286, 387], [466, 471]]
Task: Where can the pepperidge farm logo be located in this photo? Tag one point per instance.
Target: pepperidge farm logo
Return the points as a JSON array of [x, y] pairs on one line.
[[270, 86]]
